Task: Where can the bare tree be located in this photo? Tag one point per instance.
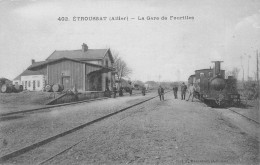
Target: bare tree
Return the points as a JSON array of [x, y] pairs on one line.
[[121, 68]]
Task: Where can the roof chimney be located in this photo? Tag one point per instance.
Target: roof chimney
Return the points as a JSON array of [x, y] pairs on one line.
[[33, 61], [84, 47]]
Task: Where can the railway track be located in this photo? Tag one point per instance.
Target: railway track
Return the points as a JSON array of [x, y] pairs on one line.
[[244, 116], [4, 115], [38, 144], [47, 107]]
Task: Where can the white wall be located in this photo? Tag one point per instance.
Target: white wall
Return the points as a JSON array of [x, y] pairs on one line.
[[27, 82], [106, 75]]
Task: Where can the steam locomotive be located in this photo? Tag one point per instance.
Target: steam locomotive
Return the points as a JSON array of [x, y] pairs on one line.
[[212, 87]]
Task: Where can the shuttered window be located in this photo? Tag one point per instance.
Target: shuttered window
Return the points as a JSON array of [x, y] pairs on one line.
[[38, 83]]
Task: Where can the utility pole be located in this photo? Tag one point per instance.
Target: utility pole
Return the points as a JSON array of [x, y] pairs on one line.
[[241, 57], [257, 76], [248, 68]]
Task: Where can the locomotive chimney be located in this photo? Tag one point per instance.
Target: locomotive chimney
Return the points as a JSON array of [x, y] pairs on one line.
[[216, 68], [33, 61]]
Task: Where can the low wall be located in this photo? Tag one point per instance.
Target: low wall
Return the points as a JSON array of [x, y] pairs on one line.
[[71, 97]]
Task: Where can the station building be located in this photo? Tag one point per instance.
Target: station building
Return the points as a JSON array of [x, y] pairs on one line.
[[86, 69]]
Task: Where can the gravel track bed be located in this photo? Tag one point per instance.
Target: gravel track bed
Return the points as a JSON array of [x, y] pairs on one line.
[[28, 129], [166, 132], [12, 102], [37, 155], [251, 112], [156, 132]]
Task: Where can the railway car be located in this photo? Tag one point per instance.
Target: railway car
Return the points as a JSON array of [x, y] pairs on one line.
[[212, 87]]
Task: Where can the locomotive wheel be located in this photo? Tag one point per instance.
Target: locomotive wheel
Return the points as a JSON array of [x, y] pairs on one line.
[[220, 103], [220, 100]]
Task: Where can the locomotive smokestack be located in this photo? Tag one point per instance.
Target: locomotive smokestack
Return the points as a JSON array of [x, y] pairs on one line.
[[216, 68]]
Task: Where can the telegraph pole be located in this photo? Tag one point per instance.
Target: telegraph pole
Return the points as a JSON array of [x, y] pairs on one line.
[[248, 68], [257, 70], [241, 57]]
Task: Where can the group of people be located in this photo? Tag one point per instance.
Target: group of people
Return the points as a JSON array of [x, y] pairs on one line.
[[184, 88], [191, 91], [120, 91]]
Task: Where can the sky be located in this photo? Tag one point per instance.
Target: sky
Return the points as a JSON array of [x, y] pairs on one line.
[[159, 50]]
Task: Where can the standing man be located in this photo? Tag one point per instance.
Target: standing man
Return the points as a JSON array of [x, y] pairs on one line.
[[75, 92], [192, 91], [161, 92], [120, 91], [183, 91], [114, 91], [143, 91], [175, 90], [130, 91]]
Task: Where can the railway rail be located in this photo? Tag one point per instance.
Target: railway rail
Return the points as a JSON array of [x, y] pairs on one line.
[[38, 144], [244, 116], [68, 148], [47, 107], [50, 106]]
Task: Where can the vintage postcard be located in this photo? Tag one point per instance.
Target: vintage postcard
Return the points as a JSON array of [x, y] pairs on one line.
[[129, 81]]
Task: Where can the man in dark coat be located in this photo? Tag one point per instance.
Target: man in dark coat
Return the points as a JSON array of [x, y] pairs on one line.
[[114, 91], [183, 91], [130, 91], [143, 90], [121, 91], [175, 90], [161, 93]]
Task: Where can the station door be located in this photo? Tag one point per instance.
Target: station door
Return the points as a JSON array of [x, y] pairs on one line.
[[66, 82]]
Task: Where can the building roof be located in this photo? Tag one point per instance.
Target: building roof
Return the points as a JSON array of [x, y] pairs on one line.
[[73, 55], [204, 69], [207, 70], [30, 71], [90, 54], [33, 66], [192, 75], [27, 73], [38, 63]]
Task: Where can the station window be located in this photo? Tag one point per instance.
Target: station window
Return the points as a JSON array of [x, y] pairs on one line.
[[201, 74], [29, 83], [38, 83]]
